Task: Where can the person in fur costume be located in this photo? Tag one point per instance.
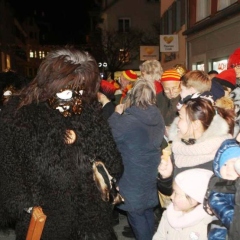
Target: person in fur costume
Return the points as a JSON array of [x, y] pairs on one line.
[[196, 136], [52, 134]]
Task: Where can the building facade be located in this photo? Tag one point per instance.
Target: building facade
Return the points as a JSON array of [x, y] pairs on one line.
[[124, 16], [173, 23], [212, 33]]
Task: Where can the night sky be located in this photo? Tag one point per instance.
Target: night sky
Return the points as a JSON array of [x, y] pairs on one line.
[[69, 19]]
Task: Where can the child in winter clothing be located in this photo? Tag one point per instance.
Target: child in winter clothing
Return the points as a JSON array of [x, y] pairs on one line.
[[194, 82], [185, 217], [221, 190]]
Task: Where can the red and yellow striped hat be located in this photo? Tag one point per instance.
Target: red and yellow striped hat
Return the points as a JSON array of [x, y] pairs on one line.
[[130, 75], [171, 75]]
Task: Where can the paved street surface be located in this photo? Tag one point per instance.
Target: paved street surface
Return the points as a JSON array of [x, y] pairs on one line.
[[118, 229], [8, 236]]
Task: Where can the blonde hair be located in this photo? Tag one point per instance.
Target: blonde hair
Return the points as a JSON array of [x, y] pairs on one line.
[[152, 70], [197, 79]]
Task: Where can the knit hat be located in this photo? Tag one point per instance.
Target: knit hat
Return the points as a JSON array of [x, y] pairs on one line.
[[108, 89], [115, 84], [130, 75], [171, 75], [227, 78], [229, 149], [234, 59], [194, 182]]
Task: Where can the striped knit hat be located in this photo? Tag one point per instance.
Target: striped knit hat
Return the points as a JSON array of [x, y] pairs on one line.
[[171, 75], [130, 75]]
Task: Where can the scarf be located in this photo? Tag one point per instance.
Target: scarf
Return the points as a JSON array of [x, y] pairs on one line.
[[179, 219]]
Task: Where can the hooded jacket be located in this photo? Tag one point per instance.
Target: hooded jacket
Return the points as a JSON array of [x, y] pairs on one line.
[[138, 134]]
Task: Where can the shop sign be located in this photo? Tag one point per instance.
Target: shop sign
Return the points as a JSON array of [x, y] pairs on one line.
[[169, 43]]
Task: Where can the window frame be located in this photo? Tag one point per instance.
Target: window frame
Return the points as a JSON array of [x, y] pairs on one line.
[[124, 20]]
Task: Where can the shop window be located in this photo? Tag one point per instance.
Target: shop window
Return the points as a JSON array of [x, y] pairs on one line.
[[219, 64], [198, 66]]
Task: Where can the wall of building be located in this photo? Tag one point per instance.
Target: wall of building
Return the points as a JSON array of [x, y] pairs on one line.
[[216, 42], [141, 13], [180, 56], [165, 4]]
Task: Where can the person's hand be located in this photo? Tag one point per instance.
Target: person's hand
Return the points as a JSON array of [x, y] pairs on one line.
[[71, 137], [166, 131], [119, 108], [208, 210], [165, 168]]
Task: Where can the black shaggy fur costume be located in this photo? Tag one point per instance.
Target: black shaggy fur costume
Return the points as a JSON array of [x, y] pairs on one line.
[[37, 168]]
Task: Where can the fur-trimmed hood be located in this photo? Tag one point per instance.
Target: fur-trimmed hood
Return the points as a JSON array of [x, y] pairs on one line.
[[217, 128], [205, 147]]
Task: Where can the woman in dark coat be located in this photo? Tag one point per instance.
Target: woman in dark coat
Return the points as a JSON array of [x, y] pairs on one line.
[[138, 133], [50, 135]]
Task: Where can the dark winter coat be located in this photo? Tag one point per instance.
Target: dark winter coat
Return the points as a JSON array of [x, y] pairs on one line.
[[221, 195], [138, 134], [234, 231], [37, 167], [168, 107]]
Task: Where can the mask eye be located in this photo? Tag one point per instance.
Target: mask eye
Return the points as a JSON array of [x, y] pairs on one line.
[[66, 94], [7, 93]]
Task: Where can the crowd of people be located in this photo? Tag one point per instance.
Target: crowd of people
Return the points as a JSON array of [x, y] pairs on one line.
[[84, 148]]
